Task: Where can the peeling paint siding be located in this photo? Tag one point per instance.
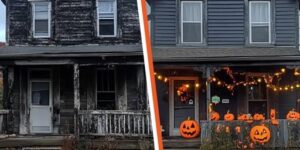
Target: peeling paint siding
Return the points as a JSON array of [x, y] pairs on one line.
[[73, 22]]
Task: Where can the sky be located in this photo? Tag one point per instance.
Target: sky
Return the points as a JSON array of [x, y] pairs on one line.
[[2, 22]]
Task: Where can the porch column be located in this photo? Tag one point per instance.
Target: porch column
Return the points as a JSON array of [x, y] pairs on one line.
[[76, 99], [8, 82], [208, 97]]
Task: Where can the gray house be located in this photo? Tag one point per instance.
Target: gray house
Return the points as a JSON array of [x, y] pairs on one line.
[[73, 68], [240, 56]]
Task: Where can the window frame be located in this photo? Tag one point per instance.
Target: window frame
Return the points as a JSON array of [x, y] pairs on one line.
[[114, 18], [96, 85], [49, 18], [182, 22], [250, 22]]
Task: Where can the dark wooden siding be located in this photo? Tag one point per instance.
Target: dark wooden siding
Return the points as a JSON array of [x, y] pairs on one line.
[[165, 22], [73, 22], [286, 22], [225, 22]]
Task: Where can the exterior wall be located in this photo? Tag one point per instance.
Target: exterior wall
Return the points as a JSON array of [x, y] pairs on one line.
[[73, 22], [130, 90], [225, 23]]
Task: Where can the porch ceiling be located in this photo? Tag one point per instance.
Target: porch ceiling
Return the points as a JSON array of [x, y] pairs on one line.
[[183, 54], [13, 52]]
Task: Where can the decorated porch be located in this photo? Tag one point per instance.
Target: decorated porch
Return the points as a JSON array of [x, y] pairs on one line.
[[231, 104]]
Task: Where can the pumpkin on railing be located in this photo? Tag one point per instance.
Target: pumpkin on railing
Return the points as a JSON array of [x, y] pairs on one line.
[[274, 121], [293, 115], [258, 117], [214, 116], [245, 117], [228, 116]]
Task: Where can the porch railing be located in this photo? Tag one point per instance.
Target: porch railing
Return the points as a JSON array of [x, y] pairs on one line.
[[115, 123], [3, 116], [286, 134]]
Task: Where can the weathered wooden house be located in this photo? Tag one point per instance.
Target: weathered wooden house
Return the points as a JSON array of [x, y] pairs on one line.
[[73, 67], [240, 56]]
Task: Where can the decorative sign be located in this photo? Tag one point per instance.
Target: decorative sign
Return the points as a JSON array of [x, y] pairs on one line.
[[191, 102], [215, 99], [225, 101]]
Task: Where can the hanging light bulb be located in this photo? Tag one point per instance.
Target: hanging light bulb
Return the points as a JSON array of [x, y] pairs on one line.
[[296, 73], [214, 79], [197, 85], [282, 70], [286, 88], [159, 77], [275, 89], [219, 83], [297, 85], [259, 80], [166, 79], [187, 85]]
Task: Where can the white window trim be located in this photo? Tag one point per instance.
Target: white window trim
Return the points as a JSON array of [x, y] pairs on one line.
[[115, 20], [181, 21], [33, 19], [250, 22]]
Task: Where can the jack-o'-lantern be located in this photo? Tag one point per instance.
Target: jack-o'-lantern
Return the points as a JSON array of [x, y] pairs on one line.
[[189, 129], [214, 116], [228, 116], [258, 117], [238, 129], [293, 115], [260, 134], [273, 114], [274, 122], [243, 117]]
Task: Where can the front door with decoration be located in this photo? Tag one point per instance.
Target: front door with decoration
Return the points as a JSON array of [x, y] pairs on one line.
[[183, 96]]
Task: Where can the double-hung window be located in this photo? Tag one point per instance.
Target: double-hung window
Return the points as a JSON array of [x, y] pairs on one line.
[[260, 22], [191, 22], [107, 18], [41, 19]]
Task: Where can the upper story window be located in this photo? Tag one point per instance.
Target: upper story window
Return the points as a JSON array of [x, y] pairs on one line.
[[191, 22], [41, 19], [107, 18], [260, 22]]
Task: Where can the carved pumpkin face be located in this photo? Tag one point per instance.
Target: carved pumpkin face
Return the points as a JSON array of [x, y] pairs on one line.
[[260, 134], [214, 116], [258, 117], [242, 117], [228, 116], [273, 114], [189, 129], [293, 115]]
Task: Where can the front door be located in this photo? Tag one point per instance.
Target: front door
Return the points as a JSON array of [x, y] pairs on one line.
[[40, 97], [183, 95]]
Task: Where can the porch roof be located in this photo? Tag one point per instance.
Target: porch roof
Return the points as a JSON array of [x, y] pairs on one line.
[[11, 52], [191, 54]]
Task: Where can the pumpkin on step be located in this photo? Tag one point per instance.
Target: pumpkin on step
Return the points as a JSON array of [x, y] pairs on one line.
[[189, 129], [228, 116], [258, 117], [214, 116], [293, 115], [260, 134]]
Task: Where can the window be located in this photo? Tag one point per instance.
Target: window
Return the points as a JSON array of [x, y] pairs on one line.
[[106, 89], [260, 25], [107, 18], [41, 19], [191, 22]]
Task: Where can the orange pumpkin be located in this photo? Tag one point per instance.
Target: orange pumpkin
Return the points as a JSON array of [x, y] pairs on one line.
[[260, 134], [293, 115], [189, 129], [214, 116], [274, 122], [258, 117], [243, 117], [228, 116], [273, 114]]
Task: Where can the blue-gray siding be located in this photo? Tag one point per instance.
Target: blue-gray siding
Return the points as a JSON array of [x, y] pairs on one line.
[[225, 23]]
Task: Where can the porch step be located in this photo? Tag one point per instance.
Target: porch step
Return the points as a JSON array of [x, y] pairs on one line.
[[180, 143]]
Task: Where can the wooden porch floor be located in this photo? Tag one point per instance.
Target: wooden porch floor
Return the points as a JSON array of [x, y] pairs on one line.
[[133, 143]]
